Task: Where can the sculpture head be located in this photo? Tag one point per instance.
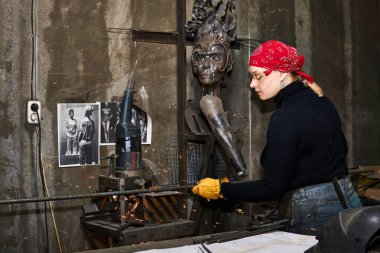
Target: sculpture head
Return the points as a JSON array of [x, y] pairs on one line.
[[211, 60], [211, 57], [88, 110]]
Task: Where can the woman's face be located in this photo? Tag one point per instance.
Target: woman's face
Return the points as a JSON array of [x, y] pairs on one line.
[[266, 86]]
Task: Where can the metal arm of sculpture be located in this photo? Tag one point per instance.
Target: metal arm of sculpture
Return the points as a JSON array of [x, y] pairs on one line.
[[212, 108]]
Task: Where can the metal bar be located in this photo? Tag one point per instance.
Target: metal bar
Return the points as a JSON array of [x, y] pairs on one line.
[[99, 194], [155, 37], [169, 38], [241, 234], [181, 91], [122, 210]]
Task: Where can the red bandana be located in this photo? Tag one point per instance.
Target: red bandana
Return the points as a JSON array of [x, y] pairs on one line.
[[275, 55]]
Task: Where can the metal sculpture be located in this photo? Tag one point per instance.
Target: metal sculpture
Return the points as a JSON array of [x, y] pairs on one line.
[[215, 27]]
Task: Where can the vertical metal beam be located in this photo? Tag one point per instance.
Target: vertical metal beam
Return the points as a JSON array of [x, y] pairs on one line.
[[349, 81], [303, 27], [181, 91]]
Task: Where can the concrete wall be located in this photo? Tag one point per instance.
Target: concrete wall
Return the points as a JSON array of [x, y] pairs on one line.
[[85, 53]]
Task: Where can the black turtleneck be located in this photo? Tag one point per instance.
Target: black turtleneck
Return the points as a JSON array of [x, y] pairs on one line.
[[305, 146]]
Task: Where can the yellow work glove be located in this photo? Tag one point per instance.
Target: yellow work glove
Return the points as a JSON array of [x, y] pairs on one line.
[[209, 188]]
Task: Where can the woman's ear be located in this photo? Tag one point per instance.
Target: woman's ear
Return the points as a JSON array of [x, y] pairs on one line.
[[283, 77]]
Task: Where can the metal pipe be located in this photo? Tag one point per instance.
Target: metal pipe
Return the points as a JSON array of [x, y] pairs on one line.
[[99, 194]]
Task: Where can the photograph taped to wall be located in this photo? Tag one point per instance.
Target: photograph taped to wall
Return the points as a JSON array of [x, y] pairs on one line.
[[110, 116], [78, 134]]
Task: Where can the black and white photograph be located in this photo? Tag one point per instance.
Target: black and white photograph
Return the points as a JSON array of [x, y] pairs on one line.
[[78, 134], [139, 117], [110, 117]]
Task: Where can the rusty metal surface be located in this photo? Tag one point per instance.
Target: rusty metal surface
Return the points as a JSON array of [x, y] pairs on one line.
[[114, 212], [135, 235]]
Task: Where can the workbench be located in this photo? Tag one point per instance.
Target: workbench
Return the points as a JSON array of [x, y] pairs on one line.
[[272, 242]]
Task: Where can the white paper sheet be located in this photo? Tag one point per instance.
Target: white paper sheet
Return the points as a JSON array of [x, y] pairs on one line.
[[281, 242]]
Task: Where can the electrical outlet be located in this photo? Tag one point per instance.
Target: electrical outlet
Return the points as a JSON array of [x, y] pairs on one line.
[[31, 112]]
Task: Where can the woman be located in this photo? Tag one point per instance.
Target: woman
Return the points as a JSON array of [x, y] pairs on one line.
[[305, 150]]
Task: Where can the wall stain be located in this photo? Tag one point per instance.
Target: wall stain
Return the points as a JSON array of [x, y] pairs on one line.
[[8, 126], [78, 52]]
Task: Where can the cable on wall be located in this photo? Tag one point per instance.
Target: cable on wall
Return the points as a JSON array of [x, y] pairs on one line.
[[45, 187], [33, 88], [33, 97]]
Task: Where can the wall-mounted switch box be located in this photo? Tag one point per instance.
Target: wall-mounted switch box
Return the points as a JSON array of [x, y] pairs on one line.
[[33, 107]]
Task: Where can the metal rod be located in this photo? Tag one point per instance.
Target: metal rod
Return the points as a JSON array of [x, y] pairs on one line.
[[241, 234], [98, 194]]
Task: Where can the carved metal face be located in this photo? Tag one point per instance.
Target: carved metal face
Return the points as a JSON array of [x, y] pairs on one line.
[[210, 62]]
